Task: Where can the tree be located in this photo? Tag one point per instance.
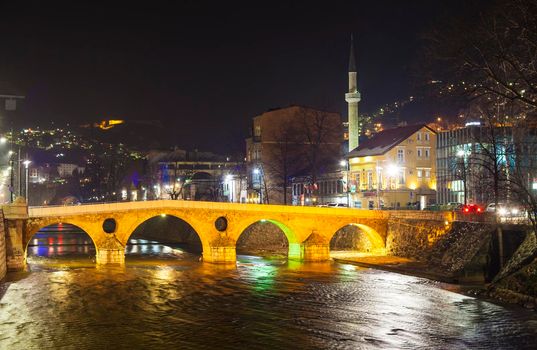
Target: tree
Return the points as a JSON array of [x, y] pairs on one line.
[[321, 135], [285, 155]]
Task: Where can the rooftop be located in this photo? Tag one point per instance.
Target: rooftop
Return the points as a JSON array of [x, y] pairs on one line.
[[385, 140]]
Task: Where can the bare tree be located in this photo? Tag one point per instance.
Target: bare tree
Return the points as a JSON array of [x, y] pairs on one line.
[[180, 179], [321, 135], [285, 155]]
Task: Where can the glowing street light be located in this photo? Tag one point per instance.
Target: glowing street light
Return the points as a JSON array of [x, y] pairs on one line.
[[344, 164], [461, 154], [3, 140], [26, 164], [392, 170]]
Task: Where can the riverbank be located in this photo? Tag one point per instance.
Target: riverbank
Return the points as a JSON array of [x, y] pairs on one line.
[[400, 265], [415, 268]]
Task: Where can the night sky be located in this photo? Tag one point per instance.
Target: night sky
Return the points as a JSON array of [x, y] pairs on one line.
[[206, 69]]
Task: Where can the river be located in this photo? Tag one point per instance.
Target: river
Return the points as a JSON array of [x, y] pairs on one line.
[[164, 298]]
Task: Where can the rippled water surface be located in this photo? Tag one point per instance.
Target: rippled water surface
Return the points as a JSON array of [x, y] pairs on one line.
[[166, 298]]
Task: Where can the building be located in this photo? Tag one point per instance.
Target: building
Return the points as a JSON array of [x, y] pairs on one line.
[[331, 187], [287, 142], [469, 157], [192, 175], [68, 169], [394, 169]]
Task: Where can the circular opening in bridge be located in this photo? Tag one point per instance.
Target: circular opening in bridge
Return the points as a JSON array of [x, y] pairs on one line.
[[163, 237], [221, 224], [109, 225], [62, 243], [263, 238], [353, 241]]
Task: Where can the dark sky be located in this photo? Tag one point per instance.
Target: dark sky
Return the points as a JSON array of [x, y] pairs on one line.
[[203, 68]]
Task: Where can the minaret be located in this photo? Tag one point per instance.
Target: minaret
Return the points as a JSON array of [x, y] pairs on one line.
[[352, 98]]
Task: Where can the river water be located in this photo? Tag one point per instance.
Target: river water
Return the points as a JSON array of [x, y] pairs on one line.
[[164, 298]]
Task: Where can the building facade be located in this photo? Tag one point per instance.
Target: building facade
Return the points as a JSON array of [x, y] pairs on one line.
[[394, 169], [331, 188], [287, 142], [186, 175], [469, 159]]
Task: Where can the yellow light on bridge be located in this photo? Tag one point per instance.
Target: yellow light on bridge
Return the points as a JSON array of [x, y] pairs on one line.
[[163, 215]]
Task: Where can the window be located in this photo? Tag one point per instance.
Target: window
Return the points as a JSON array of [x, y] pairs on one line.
[[418, 137], [257, 130], [369, 179], [419, 152], [401, 178], [427, 173], [427, 152], [420, 173], [426, 136], [400, 155]]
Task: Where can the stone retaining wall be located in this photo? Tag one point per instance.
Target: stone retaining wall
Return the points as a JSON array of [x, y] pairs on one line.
[[3, 266]]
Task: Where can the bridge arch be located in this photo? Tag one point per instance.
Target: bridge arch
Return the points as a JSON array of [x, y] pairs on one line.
[[377, 244], [191, 223], [265, 234], [37, 227], [287, 231]]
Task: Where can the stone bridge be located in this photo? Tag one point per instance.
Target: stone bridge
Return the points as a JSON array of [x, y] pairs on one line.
[[218, 225]]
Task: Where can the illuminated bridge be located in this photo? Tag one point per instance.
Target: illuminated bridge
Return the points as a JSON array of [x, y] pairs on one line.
[[218, 225]]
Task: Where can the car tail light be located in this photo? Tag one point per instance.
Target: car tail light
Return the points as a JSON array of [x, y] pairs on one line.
[[466, 209], [479, 209]]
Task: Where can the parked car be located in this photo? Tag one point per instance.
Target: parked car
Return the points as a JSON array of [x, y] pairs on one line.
[[336, 205], [453, 206], [433, 207], [506, 210], [472, 209]]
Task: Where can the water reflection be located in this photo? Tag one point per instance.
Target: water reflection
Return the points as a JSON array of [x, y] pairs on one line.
[[165, 298], [60, 241]]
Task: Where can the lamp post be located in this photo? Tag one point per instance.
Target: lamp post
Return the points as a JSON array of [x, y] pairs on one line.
[[231, 186], [257, 175], [379, 183], [346, 166], [462, 154], [393, 171], [26, 164]]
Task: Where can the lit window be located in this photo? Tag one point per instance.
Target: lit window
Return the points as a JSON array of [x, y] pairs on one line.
[[427, 173], [420, 173], [401, 155], [401, 178]]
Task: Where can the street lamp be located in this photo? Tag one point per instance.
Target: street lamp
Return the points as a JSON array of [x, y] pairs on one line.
[[26, 164], [462, 154], [345, 164], [257, 177], [392, 171], [231, 186]]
